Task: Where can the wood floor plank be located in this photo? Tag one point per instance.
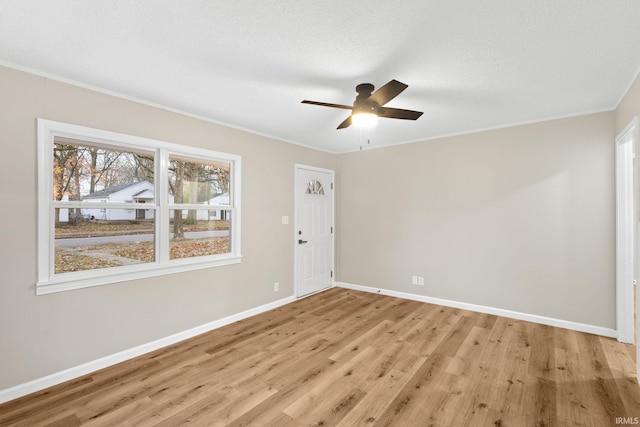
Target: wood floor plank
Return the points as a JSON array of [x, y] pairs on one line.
[[327, 401], [368, 409], [405, 408], [292, 386], [349, 358], [572, 394], [353, 347], [608, 402]]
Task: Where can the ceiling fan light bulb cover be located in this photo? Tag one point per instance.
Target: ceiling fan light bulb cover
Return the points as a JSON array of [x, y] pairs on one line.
[[364, 119]]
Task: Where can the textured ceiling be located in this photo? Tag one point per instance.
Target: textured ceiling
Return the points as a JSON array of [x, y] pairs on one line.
[[470, 65]]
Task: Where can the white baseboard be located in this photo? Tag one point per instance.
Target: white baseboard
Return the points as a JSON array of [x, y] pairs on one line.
[[87, 368], [580, 327]]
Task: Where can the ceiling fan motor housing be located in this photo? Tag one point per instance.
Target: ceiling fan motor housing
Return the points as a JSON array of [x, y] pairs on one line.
[[362, 104]]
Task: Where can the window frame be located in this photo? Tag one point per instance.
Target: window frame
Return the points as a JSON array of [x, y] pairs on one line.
[[48, 282]]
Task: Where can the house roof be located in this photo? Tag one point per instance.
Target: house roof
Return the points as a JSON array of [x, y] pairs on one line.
[[147, 193], [469, 65], [114, 189]]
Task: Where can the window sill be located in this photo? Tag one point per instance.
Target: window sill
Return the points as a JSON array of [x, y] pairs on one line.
[[97, 278]]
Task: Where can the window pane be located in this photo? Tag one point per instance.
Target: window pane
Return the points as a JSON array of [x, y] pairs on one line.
[[315, 187], [90, 172], [198, 182], [88, 244], [198, 232]]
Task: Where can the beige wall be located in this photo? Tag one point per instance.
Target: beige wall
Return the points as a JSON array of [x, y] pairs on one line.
[[521, 218], [41, 335], [629, 106]]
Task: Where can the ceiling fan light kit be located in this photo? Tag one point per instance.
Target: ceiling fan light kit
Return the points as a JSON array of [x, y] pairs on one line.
[[369, 105], [364, 119]]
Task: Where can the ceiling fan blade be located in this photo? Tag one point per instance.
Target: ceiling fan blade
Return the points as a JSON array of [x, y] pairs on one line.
[[398, 113], [345, 124], [387, 92], [325, 104]]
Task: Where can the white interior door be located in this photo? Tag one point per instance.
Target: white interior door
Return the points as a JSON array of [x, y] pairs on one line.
[[626, 237], [314, 229]]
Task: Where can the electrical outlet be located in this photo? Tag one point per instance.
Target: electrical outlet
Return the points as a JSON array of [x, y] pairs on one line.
[[285, 220], [420, 281], [414, 280], [276, 287]]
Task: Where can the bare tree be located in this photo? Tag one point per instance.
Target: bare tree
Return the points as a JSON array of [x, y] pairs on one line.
[[103, 168], [176, 187], [67, 168], [193, 183]]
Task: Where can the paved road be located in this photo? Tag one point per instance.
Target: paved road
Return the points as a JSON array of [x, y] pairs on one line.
[[134, 238]]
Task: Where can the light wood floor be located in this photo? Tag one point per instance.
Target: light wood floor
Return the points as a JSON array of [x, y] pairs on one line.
[[350, 358]]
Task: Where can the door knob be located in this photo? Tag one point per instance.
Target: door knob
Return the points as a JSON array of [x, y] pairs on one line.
[[300, 241]]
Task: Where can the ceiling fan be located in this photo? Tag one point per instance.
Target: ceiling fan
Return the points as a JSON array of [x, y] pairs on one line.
[[370, 105]]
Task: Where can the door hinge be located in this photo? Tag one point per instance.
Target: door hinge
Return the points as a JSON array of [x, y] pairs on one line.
[[331, 230], [332, 185], [331, 273]]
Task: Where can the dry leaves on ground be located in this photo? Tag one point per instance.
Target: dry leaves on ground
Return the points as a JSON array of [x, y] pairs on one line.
[[67, 262], [95, 257]]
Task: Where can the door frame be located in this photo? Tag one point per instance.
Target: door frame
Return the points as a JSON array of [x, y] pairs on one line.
[[626, 233], [296, 200]]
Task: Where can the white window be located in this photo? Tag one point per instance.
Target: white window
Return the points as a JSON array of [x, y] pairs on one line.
[[114, 207]]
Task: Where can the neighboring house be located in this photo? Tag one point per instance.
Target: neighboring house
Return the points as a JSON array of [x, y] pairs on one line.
[[220, 199], [139, 193], [205, 214], [64, 213]]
